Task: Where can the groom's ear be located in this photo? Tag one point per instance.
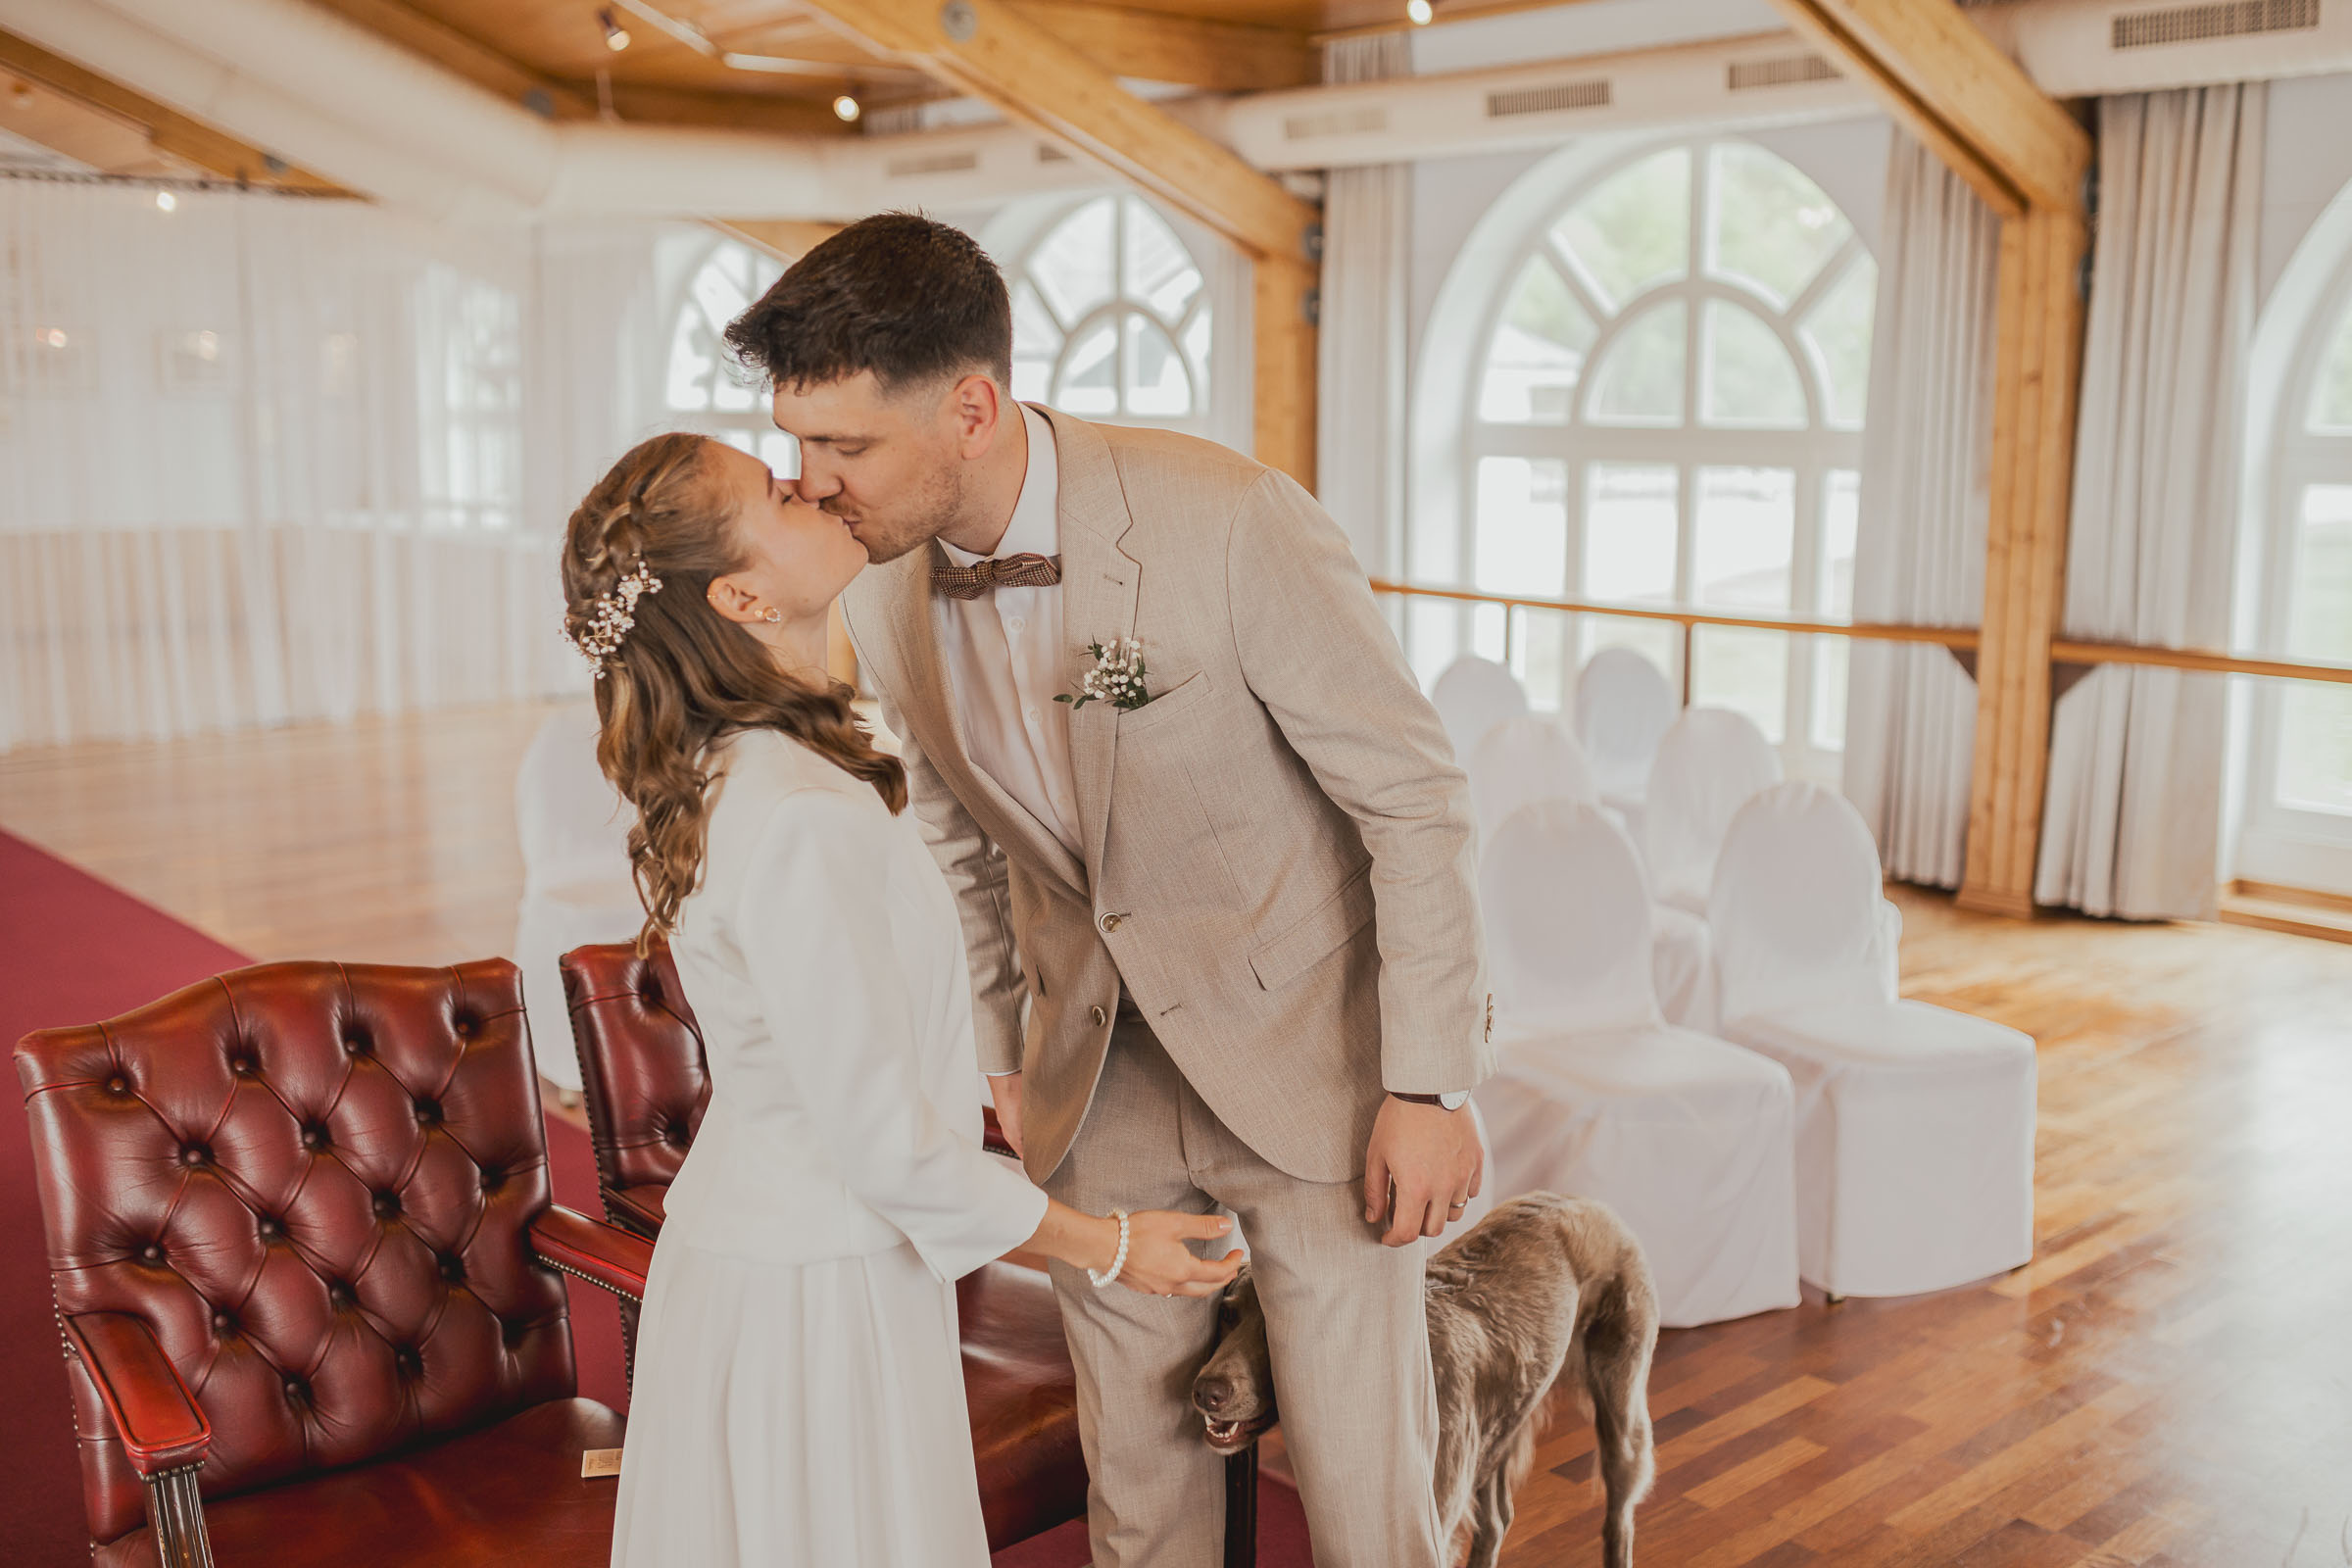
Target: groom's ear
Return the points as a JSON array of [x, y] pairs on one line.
[[976, 404]]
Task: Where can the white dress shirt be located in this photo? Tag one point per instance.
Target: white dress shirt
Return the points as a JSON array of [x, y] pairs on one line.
[[1007, 662]]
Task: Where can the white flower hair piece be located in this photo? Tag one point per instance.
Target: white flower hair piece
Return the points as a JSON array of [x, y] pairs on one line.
[[612, 615]]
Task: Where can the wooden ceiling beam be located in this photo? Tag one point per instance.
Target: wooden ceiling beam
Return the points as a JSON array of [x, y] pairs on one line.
[[1000, 55], [167, 130], [1950, 85], [786, 239], [463, 56], [1195, 51]]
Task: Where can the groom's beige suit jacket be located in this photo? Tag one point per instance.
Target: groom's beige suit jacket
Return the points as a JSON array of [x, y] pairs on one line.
[[1279, 855]]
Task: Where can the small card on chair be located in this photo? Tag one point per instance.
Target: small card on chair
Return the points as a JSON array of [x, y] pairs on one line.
[[595, 1462]]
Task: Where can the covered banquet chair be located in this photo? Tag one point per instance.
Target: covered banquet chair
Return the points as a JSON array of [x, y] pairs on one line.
[[576, 883], [1710, 761], [646, 1082], [1687, 1138], [1473, 694], [1914, 1124], [1532, 757], [310, 1278], [1623, 709]]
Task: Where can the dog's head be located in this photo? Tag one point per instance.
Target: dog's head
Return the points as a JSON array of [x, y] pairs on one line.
[[1234, 1389]]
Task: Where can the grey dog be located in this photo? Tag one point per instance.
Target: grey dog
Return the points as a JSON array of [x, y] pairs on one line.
[[1545, 1291]]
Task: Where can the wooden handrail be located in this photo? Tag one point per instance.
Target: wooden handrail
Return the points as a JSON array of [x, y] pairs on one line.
[[2062, 651], [1876, 631]]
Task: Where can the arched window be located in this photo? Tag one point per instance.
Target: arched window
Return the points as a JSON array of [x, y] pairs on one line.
[[704, 389], [1668, 412], [2298, 795], [1112, 317]]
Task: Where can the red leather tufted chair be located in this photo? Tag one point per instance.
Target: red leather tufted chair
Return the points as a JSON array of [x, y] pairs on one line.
[[646, 1082], [307, 1270]]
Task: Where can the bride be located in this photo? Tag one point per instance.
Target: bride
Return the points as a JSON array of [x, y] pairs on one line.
[[799, 1397]]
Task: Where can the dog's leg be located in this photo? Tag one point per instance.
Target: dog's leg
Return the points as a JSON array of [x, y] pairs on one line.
[[1617, 1351], [1495, 1510]]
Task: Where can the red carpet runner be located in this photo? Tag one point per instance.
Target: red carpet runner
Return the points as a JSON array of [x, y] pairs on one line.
[[73, 949]]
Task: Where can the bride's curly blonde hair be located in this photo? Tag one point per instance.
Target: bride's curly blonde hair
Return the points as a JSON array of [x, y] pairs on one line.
[[683, 676]]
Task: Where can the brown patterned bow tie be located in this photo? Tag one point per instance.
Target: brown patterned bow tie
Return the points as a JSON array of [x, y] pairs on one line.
[[986, 577]]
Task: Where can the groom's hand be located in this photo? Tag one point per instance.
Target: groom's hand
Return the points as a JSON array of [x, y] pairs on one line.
[[1006, 1090], [1430, 1159]]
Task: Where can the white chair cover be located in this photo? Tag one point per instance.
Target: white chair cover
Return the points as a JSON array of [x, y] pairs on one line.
[[1473, 694], [1689, 1138], [1531, 758], [1623, 709], [576, 886], [1709, 763], [1914, 1124], [1523, 760]]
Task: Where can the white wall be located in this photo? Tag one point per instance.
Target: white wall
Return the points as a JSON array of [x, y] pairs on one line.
[[2307, 160]]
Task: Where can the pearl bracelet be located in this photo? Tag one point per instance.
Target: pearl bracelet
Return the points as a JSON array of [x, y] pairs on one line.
[[1102, 1278]]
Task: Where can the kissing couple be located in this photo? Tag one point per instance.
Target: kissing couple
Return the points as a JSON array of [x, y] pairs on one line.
[[1175, 851]]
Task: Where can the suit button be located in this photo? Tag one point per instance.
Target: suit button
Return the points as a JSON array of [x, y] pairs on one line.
[[1101, 1017], [1111, 922]]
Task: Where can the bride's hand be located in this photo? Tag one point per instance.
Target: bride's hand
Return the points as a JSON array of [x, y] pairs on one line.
[[1160, 1263]]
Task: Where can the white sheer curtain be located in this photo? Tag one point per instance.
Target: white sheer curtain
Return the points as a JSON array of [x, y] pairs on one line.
[[1360, 466], [2132, 815], [263, 459], [1919, 557]]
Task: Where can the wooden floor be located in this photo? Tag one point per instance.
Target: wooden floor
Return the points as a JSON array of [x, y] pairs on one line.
[[2169, 1383]]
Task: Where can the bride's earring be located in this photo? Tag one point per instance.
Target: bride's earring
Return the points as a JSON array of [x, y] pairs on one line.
[[773, 616]]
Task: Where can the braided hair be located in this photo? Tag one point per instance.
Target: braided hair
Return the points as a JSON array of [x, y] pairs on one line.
[[684, 678]]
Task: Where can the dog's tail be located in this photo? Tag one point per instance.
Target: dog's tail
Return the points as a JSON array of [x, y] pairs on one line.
[[1618, 1339]]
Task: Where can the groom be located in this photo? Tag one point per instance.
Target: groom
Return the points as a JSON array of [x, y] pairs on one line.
[[1223, 939]]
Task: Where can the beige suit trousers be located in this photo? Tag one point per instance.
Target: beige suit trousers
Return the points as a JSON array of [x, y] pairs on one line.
[[1345, 1320]]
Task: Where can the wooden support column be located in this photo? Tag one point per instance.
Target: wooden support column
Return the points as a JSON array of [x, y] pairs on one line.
[[2037, 372], [993, 51], [2027, 158]]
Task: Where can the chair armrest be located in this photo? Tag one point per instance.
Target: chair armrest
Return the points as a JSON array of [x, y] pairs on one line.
[[992, 1134], [163, 1427], [600, 1254]]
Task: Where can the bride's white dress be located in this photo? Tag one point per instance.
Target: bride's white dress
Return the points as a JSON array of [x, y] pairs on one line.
[[797, 1395]]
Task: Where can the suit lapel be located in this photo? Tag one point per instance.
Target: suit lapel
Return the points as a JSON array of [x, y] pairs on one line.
[[1099, 587], [926, 701]]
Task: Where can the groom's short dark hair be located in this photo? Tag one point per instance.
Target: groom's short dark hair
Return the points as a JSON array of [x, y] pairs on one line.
[[897, 294]]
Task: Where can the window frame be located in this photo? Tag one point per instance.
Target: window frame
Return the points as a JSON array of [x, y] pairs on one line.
[[1813, 453]]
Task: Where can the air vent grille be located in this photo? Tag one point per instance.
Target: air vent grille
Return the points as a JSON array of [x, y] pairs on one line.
[[1743, 75], [1546, 100], [1367, 119], [933, 163], [2224, 19]]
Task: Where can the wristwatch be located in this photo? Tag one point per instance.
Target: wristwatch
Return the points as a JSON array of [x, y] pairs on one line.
[[1452, 1100]]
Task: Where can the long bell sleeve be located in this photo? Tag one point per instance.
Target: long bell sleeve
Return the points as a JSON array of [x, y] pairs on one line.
[[814, 930]]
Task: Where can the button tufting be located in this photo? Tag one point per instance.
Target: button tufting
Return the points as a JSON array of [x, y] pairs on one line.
[[461, 1025], [428, 1112], [224, 1323], [512, 1330], [271, 1229], [117, 1084], [452, 1268], [242, 1067], [674, 1133], [493, 1178], [314, 1136], [338, 1296], [296, 1390], [151, 1252], [355, 1045], [386, 1204], [195, 1155], [407, 1360]]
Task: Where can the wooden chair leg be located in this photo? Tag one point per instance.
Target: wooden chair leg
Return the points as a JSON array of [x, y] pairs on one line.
[[1240, 1508], [175, 1513]]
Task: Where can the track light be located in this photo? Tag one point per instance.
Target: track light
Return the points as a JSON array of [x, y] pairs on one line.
[[846, 108], [164, 201], [617, 36], [1419, 12]]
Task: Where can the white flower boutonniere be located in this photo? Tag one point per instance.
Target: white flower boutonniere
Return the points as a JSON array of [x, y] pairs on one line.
[[1117, 677]]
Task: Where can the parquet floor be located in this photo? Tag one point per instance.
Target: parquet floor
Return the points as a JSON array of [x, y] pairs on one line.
[[2170, 1382]]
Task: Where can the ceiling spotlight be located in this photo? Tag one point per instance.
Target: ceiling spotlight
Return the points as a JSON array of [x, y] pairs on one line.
[[846, 108], [21, 95], [617, 36], [1419, 12], [164, 201]]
